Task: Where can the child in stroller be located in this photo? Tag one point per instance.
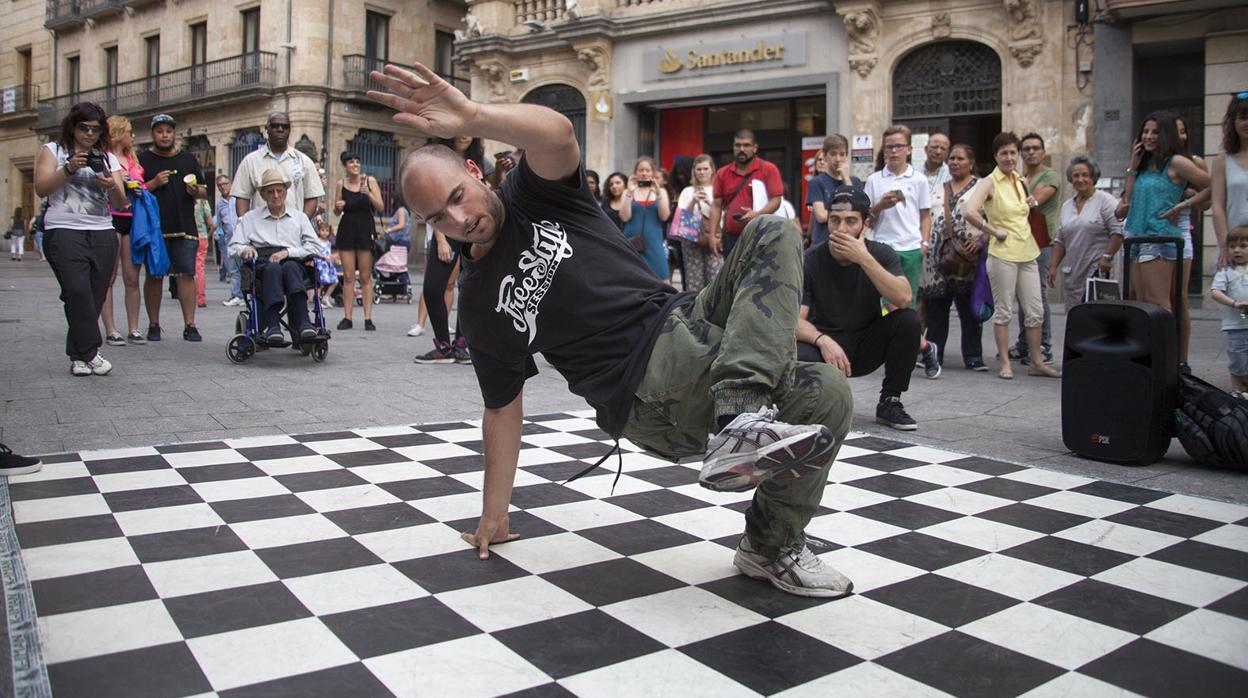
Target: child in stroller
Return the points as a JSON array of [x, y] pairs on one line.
[[390, 277]]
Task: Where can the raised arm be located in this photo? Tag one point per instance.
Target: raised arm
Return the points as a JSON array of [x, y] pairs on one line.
[[500, 430], [433, 107]]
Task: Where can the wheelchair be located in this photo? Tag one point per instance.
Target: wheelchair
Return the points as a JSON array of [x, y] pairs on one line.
[[248, 337]]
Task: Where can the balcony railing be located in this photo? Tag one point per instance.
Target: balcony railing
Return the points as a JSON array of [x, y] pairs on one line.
[[65, 13], [237, 74], [538, 10], [356, 69], [18, 99]]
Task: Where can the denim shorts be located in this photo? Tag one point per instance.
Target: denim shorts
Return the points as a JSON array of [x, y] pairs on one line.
[[1237, 351], [1151, 250]]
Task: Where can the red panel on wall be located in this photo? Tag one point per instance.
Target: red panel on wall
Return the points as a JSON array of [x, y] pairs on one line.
[[680, 133]]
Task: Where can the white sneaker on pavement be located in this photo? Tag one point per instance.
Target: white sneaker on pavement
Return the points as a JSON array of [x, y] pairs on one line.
[[232, 302], [416, 331], [755, 447], [99, 365], [797, 571], [79, 368]]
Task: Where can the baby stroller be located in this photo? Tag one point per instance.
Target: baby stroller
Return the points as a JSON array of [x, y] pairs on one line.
[[390, 277], [248, 338]]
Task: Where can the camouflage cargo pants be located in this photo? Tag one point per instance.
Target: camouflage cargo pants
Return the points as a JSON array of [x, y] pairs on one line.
[[733, 350]]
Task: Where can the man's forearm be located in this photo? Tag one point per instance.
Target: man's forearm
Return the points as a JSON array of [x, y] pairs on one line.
[[501, 429], [773, 205], [894, 289], [806, 331], [309, 207], [546, 136], [242, 205]]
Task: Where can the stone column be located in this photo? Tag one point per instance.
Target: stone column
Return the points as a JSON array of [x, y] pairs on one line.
[[1113, 68]]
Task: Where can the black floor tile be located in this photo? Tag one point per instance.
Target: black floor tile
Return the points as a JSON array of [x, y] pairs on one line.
[[545, 495], [92, 590], [456, 465], [596, 434], [905, 514], [1034, 518], [560, 472], [893, 485], [376, 456], [546, 690], [1213, 559], [217, 473], [250, 606], [1122, 493], [75, 530], [476, 446], [594, 450], [192, 448], [1007, 489], [163, 670], [576, 643], [448, 426], [636, 537], [1068, 556], [885, 462], [353, 680], [131, 464], [325, 436], [382, 517], [985, 466], [921, 550], [193, 542], [1153, 669], [425, 488], [760, 597], [1161, 521], [1233, 604], [154, 498], [458, 570], [257, 508], [402, 440], [656, 503], [670, 476], [1115, 606], [22, 491], [316, 557], [255, 453], [612, 581], [875, 443], [769, 657], [529, 428], [319, 480], [941, 599], [378, 630], [522, 522], [968, 667]]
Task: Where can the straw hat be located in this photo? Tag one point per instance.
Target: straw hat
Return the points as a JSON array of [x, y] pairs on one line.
[[273, 176]]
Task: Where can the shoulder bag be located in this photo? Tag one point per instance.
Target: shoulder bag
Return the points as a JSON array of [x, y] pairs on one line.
[[1035, 220], [957, 256]]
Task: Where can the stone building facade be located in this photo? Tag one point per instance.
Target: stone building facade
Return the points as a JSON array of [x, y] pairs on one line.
[[220, 69]]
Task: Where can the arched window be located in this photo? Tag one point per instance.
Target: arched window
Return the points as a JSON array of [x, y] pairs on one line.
[[245, 141], [379, 157], [566, 100]]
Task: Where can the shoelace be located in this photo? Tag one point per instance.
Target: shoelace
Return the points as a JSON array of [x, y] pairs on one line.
[[5, 449], [618, 471]]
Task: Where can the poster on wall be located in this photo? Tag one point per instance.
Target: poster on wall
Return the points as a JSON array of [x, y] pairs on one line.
[[9, 100], [810, 149], [862, 156], [918, 150]]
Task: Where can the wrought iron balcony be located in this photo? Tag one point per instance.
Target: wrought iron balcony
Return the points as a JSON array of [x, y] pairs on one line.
[[356, 69], [18, 100], [236, 75], [62, 14]]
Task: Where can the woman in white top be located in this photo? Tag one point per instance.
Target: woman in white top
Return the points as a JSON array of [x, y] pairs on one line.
[[1230, 174], [701, 264], [80, 178], [1089, 236]]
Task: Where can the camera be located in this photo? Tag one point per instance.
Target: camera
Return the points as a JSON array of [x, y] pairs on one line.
[[98, 161], [643, 183]]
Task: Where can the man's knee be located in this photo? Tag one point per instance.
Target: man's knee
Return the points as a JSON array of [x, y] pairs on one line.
[[773, 226], [828, 395], [904, 323]]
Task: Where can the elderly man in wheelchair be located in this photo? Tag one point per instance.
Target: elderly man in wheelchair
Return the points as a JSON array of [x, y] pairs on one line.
[[281, 244]]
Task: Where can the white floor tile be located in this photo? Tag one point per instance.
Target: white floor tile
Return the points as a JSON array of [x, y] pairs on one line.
[[245, 488], [1204, 508], [515, 602], [139, 480], [458, 435], [1010, 576], [65, 637], [254, 441], [927, 454], [557, 552], [289, 530], [863, 627], [590, 513], [1082, 504], [1170, 581], [347, 498], [848, 472], [707, 523], [695, 563], [1048, 478], [216, 456], [665, 673], [410, 542], [1120, 537], [296, 464], [959, 501], [335, 446], [869, 571], [476, 479], [1208, 634], [434, 451], [539, 456], [681, 616], [1052, 636], [849, 529], [53, 471], [243, 657], [1074, 685], [32, 510], [194, 575], [600, 487], [180, 518], [51, 561], [110, 453], [452, 507], [394, 472], [711, 496], [942, 475], [476, 667], [981, 533], [1233, 537], [867, 680], [355, 588], [849, 498]]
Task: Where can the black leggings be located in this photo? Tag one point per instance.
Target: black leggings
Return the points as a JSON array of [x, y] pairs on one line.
[[938, 326], [82, 261], [437, 274]]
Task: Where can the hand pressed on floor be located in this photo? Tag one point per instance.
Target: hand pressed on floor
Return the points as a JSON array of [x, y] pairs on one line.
[[490, 531]]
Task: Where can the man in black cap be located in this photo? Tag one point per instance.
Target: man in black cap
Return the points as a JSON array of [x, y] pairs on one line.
[[846, 283]]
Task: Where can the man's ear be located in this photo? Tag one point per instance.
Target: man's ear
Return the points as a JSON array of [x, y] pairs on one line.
[[868, 222], [474, 170]]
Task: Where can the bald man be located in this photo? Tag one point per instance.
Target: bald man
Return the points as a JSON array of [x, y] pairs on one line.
[[545, 271], [305, 183]]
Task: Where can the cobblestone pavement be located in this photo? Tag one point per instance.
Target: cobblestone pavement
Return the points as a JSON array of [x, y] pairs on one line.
[[176, 391]]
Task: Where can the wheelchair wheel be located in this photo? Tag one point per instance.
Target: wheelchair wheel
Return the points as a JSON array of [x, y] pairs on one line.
[[319, 351], [305, 348], [409, 299], [240, 322], [240, 348]]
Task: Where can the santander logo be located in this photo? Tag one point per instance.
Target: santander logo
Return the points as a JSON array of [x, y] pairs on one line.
[[520, 298]]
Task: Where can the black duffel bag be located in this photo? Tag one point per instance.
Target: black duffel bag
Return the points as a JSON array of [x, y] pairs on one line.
[[1211, 424]]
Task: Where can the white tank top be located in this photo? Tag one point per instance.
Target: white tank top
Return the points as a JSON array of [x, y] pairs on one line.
[[80, 204]]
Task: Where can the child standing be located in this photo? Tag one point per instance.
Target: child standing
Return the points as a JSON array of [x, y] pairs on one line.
[[326, 271], [1230, 289]]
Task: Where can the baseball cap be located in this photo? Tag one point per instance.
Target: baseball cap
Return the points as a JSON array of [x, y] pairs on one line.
[[850, 198], [163, 119]]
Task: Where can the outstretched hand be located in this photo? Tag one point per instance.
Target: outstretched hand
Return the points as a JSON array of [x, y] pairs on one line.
[[424, 101], [490, 531]]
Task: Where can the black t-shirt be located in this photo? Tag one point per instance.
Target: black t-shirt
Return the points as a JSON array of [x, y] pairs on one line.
[[561, 280], [841, 296], [177, 207]]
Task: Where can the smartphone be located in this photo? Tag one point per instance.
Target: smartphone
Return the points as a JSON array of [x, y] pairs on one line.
[[738, 216], [644, 183], [502, 154], [900, 195]]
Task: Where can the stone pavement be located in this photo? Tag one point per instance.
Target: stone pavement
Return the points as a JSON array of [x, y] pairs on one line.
[[175, 391]]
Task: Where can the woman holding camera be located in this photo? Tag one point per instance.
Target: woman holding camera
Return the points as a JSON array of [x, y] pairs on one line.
[[80, 179], [647, 207]]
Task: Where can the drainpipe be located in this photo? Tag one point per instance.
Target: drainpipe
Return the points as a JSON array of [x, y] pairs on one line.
[[289, 50], [329, 87], [56, 64]]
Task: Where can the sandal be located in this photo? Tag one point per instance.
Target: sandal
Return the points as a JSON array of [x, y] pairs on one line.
[[1044, 371], [1005, 374]]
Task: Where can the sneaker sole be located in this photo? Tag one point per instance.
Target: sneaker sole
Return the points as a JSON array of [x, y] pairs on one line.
[[784, 460], [898, 427], [433, 361], [752, 570], [24, 470], [933, 377]]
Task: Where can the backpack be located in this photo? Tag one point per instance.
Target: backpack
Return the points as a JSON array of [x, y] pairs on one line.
[[1211, 425]]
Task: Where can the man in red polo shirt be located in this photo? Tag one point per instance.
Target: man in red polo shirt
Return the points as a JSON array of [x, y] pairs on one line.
[[733, 201]]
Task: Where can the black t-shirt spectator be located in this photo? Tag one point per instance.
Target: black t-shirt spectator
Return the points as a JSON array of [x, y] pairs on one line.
[[561, 280], [841, 297], [177, 207]]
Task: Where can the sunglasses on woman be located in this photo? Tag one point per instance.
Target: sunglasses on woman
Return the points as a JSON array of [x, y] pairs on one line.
[[89, 129]]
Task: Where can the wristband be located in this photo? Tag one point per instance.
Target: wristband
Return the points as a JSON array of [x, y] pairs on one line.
[[1131, 172], [821, 336]]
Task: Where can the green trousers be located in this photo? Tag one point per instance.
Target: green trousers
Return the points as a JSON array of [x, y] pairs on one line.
[[731, 351]]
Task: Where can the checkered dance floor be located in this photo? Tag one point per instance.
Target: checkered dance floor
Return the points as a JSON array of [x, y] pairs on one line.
[[330, 564]]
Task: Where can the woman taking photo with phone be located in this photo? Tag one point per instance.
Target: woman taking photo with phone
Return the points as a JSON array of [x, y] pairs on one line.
[[358, 197], [80, 179], [646, 208]]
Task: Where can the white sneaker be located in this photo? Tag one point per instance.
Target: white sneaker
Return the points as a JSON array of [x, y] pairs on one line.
[[232, 302], [99, 365], [797, 571], [79, 368], [754, 447], [416, 331]]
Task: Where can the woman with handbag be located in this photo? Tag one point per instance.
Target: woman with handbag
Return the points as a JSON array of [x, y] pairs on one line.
[[647, 208], [1088, 236], [949, 271], [701, 264], [999, 206]]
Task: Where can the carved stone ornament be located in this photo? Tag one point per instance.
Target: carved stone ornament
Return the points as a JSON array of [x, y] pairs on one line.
[[942, 27], [595, 58], [1026, 53], [863, 29], [862, 65], [495, 78], [1024, 19], [473, 24], [571, 10]]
